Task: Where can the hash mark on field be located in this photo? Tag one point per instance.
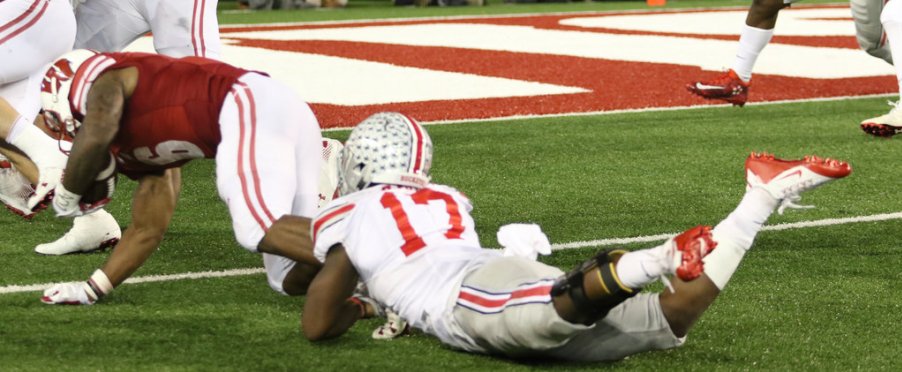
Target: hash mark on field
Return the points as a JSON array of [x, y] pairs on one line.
[[592, 243]]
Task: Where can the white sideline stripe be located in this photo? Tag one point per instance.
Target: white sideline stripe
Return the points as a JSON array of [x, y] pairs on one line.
[[777, 227], [145, 279], [593, 243], [640, 110]]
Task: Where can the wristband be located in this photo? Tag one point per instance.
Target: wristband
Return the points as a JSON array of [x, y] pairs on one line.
[[360, 304], [99, 285]]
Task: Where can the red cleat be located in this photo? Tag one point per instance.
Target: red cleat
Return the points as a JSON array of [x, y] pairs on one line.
[[726, 87], [693, 244], [786, 179]]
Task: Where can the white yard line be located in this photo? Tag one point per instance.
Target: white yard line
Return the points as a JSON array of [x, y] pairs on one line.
[[145, 279], [777, 227], [627, 111], [592, 243]]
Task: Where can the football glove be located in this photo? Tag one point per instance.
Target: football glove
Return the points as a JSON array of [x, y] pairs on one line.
[[66, 203], [67, 294], [394, 327]]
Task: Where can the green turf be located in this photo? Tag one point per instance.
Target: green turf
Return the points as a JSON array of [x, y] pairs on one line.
[[812, 299], [377, 9]]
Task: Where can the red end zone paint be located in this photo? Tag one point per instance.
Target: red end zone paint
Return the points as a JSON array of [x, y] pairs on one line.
[[613, 85]]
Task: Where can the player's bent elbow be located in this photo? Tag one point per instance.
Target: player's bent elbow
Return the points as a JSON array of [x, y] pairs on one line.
[[314, 331]]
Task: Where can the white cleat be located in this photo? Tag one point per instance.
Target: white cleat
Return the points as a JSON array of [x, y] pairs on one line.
[[89, 233], [786, 179], [885, 125]]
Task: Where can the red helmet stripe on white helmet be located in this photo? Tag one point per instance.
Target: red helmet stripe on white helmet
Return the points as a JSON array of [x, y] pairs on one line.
[[85, 77], [419, 145]]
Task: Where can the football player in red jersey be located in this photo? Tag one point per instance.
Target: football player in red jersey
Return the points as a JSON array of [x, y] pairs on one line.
[[154, 113], [180, 28]]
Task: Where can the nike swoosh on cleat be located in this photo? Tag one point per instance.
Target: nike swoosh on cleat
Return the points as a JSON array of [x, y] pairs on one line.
[[707, 87], [797, 173]]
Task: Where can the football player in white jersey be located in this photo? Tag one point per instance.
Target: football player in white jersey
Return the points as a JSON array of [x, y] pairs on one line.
[[25, 24], [414, 245], [180, 28]]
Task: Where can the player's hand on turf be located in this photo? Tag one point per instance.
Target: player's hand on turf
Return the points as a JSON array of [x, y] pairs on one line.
[[67, 294], [394, 327], [48, 178]]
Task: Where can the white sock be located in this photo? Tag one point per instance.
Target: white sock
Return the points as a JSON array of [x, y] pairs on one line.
[[891, 17], [637, 269], [752, 41], [40, 148], [735, 234]]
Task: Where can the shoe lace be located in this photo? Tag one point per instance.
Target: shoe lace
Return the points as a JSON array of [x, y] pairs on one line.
[[789, 202]]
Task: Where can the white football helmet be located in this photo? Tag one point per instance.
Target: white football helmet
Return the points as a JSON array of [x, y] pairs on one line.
[[386, 148], [55, 103]]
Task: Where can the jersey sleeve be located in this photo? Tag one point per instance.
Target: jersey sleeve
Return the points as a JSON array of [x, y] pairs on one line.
[[330, 227]]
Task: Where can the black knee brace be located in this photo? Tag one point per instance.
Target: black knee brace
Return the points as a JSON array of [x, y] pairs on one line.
[[572, 284]]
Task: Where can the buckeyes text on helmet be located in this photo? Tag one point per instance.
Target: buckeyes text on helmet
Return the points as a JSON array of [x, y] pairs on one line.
[[55, 89], [385, 148]]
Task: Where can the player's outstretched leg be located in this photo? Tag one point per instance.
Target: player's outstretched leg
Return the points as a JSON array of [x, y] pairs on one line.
[[587, 293], [89, 233], [771, 183]]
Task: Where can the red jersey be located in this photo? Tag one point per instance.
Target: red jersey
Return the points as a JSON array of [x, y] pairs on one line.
[[173, 114]]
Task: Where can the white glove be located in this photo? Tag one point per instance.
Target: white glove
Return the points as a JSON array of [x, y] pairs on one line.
[[394, 326], [48, 178], [66, 203], [523, 240], [67, 294]]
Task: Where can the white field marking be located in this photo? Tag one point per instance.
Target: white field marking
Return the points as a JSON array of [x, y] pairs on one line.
[[145, 279], [777, 227], [709, 54], [556, 247], [350, 82], [629, 111], [362, 82]]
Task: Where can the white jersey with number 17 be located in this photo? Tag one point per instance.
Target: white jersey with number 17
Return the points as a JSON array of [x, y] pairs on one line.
[[412, 248]]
